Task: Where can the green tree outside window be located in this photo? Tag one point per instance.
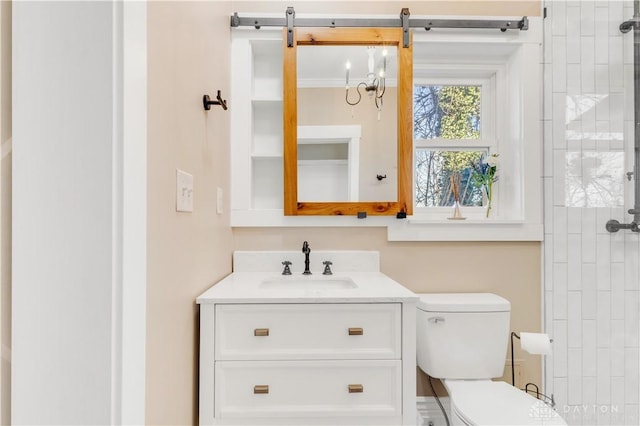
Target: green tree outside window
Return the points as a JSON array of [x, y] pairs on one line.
[[448, 113]]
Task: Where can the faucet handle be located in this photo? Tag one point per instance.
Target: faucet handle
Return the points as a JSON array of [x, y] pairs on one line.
[[286, 270], [327, 267]]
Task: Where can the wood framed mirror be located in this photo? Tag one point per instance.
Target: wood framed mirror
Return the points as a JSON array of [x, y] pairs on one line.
[[399, 110]]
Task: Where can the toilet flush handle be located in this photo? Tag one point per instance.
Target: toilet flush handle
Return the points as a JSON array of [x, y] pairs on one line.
[[436, 320]]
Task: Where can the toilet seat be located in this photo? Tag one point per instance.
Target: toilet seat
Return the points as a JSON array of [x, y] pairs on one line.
[[484, 402]]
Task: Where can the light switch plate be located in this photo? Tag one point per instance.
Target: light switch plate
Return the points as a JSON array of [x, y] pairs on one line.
[[184, 191]]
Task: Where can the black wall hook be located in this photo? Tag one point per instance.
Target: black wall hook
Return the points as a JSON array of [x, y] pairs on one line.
[[380, 177], [207, 102]]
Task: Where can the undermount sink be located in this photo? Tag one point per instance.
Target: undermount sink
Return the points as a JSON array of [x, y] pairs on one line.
[[309, 283]]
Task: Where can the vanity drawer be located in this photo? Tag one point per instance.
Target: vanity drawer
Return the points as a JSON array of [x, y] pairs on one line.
[[308, 389], [308, 331]]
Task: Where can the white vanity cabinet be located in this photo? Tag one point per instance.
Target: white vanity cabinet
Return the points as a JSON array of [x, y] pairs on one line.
[[321, 363], [307, 331], [319, 360], [307, 357]]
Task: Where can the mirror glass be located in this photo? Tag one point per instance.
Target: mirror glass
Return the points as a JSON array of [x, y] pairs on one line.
[[347, 123]]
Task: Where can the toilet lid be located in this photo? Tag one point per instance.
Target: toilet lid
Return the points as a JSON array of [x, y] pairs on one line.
[[463, 302], [484, 402]]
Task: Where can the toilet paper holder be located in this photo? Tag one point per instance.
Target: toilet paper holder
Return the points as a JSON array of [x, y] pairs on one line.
[[536, 344]]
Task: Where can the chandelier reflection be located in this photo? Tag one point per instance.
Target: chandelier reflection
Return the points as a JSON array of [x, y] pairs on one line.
[[374, 85]]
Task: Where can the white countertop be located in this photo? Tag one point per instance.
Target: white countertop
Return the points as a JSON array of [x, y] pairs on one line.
[[247, 287]]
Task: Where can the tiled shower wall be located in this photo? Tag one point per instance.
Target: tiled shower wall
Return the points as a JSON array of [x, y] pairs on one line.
[[591, 276]]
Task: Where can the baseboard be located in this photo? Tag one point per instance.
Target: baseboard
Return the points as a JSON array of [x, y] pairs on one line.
[[429, 412]]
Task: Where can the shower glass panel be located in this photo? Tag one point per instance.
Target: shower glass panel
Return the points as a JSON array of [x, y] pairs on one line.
[[592, 276]]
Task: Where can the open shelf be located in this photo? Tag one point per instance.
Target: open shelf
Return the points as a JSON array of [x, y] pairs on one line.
[[267, 69]]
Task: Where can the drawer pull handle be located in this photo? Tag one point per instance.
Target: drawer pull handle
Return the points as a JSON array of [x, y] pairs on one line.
[[356, 388], [261, 389], [356, 331], [261, 332]]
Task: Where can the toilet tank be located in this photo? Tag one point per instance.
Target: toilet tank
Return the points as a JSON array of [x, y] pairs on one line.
[[462, 335]]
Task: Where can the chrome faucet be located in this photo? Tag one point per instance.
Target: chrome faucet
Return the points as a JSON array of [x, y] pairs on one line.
[[306, 250]]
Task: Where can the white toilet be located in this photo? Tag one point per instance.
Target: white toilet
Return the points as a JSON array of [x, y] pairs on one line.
[[462, 340]]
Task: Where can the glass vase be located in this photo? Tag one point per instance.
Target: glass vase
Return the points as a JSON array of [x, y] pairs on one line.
[[457, 213], [486, 200]]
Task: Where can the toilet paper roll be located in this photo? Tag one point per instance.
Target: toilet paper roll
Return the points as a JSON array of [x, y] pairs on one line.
[[535, 343]]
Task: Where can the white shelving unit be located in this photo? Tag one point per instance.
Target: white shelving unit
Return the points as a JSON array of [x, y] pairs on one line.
[[257, 184], [256, 123]]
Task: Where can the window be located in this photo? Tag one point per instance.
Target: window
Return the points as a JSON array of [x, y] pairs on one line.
[[453, 134], [476, 94], [447, 112]]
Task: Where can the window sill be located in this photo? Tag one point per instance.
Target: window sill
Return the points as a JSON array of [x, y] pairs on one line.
[[410, 229], [465, 230], [467, 221]]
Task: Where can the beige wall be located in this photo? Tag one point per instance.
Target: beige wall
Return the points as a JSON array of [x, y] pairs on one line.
[[5, 212], [5, 70], [188, 56], [428, 7]]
